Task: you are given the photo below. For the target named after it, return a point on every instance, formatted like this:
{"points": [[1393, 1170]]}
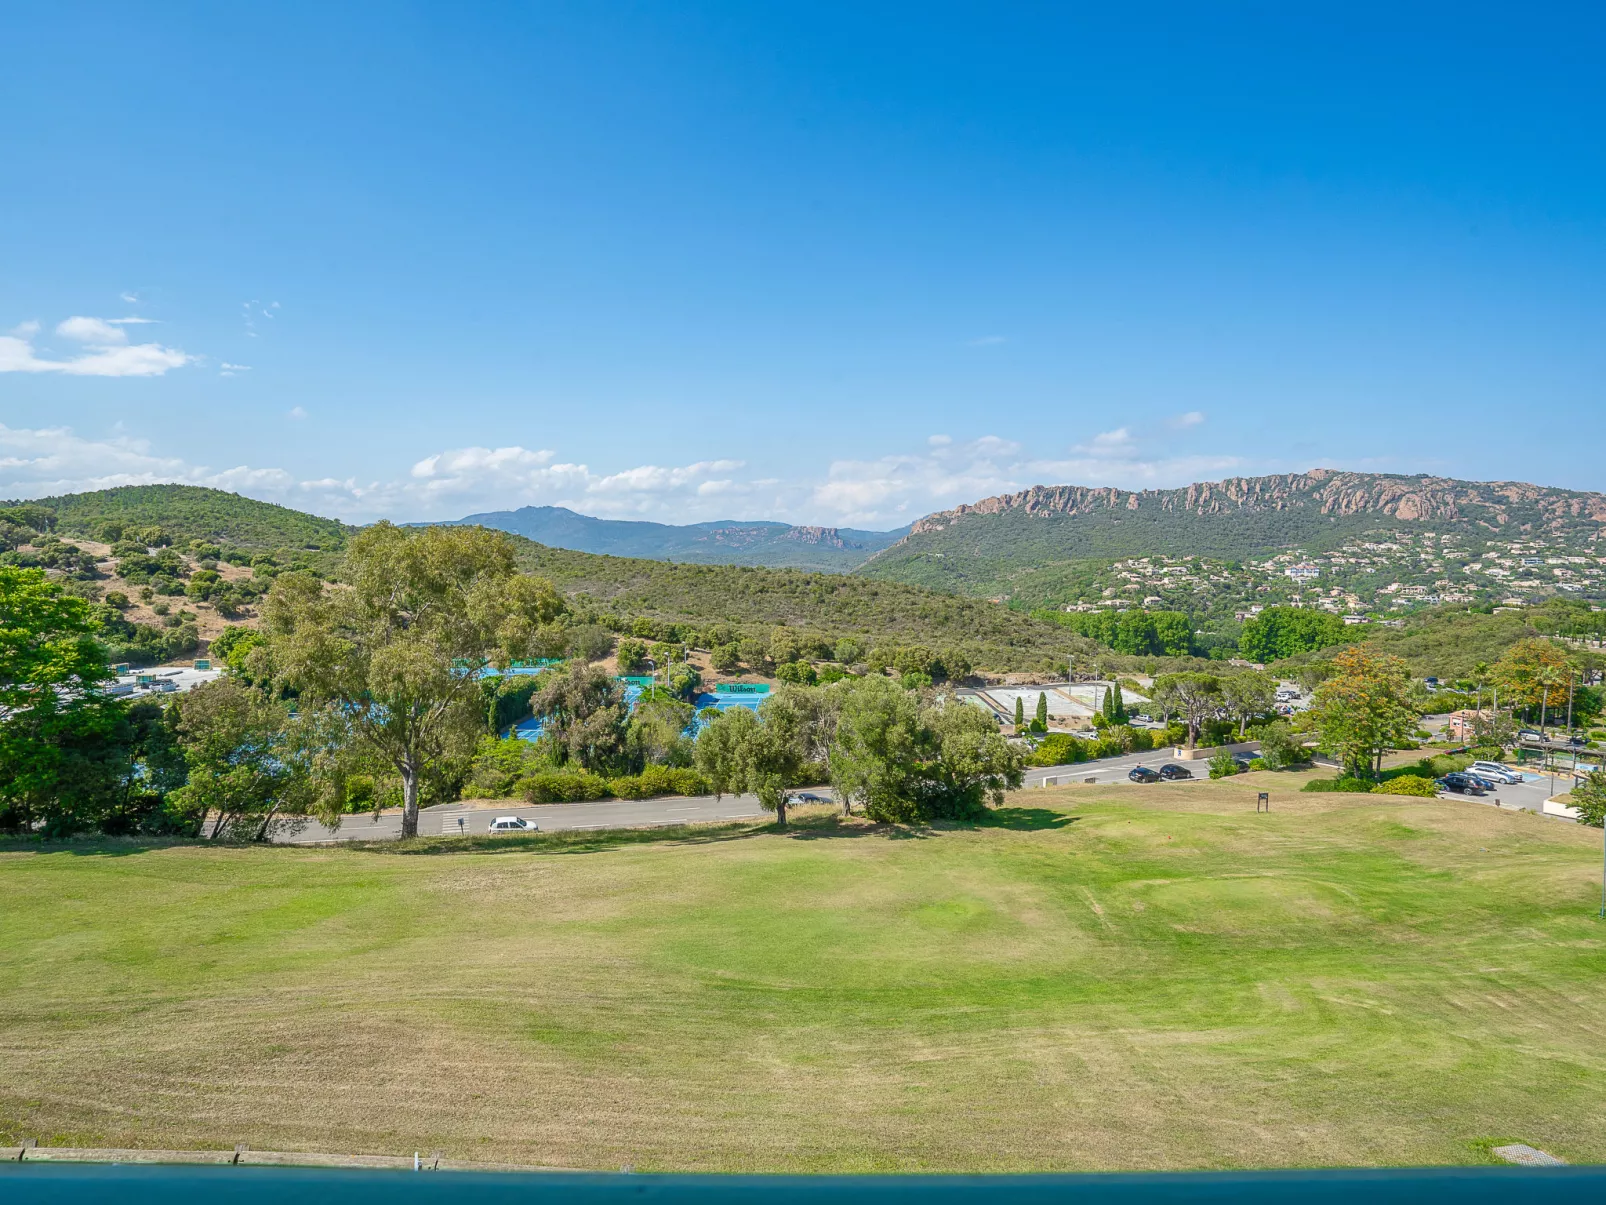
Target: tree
{"points": [[583, 713], [1364, 709], [1196, 697], [1279, 632], [589, 642], [394, 656], [657, 730], [1248, 694], [797, 673], [631, 655], [61, 756], [1020, 713], [1534, 674], [905, 762], [247, 762], [784, 646], [737, 752], [1042, 709], [1279, 748], [726, 658], [1589, 797]]}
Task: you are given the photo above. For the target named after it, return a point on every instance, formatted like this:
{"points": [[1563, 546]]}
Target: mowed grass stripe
{"points": [[1100, 977]]}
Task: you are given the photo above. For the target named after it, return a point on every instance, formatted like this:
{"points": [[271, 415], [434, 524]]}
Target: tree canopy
{"points": [[393, 655]]}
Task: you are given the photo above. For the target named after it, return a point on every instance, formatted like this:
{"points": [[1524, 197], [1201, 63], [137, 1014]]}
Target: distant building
{"points": [[1303, 573]]}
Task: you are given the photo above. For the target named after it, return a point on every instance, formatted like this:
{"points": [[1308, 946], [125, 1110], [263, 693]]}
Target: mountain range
{"points": [[722, 542], [994, 546]]}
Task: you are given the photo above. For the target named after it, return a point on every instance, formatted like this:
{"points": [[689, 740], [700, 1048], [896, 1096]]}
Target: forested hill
{"points": [[980, 548], [993, 636], [192, 512], [754, 599], [728, 542]]}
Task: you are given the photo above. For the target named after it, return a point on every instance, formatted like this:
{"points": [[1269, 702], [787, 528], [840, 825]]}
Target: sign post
{"points": [[1263, 804]]}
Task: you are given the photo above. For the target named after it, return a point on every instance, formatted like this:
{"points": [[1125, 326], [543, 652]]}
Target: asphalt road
{"points": [[549, 817], [1111, 769]]}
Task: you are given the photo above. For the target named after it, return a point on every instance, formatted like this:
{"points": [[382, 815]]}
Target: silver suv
{"points": [[1494, 771]]}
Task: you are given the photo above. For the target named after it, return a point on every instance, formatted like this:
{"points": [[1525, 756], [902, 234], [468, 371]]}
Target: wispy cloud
{"points": [[106, 350], [1182, 422], [884, 491]]}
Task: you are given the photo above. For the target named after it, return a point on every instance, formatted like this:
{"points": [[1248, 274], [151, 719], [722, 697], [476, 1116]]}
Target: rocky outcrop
{"points": [[1327, 491]]}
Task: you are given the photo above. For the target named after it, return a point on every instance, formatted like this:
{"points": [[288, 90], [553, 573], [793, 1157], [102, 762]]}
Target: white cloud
{"points": [[129, 296], [884, 491], [107, 352], [298, 412], [1183, 421], [91, 330]]}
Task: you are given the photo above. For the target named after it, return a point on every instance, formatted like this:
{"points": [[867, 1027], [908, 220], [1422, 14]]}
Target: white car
{"points": [[1495, 771], [512, 824]]}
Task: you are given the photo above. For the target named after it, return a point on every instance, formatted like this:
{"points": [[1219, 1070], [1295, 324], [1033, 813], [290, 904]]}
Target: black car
{"points": [[1173, 771], [1143, 774], [1460, 784], [1243, 764], [1478, 780]]}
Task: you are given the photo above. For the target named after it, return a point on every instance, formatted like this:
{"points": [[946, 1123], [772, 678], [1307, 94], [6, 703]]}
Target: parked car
{"points": [[1242, 763], [1528, 734], [1173, 771], [512, 824], [1144, 718], [811, 797], [1143, 774], [1487, 784], [1459, 784], [1494, 770]]}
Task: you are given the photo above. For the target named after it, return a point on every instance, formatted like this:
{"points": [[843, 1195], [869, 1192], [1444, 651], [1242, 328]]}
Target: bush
{"points": [[1280, 749], [1258, 763], [798, 673], [1408, 784], [1354, 786], [1223, 766], [726, 658], [659, 780], [1059, 749], [632, 656], [564, 786]]}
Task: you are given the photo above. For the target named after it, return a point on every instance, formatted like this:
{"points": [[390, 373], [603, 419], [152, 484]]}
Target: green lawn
{"points": [[1104, 978]]}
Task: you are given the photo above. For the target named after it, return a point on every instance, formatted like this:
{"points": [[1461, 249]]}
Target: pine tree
{"points": [[1042, 709], [1020, 713], [1117, 705]]}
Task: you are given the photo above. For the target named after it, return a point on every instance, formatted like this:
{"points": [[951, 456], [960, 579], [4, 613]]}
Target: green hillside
{"points": [[828, 605], [190, 512], [1027, 545], [839, 605]]}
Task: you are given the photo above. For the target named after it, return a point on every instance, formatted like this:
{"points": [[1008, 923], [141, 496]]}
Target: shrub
{"points": [[632, 656], [659, 780], [726, 658], [1258, 763], [1059, 749], [1408, 784], [564, 786], [1356, 786], [1223, 766], [798, 673], [1280, 749]]}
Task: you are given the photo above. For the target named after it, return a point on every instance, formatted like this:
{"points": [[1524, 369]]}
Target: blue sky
{"points": [[826, 263]]}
